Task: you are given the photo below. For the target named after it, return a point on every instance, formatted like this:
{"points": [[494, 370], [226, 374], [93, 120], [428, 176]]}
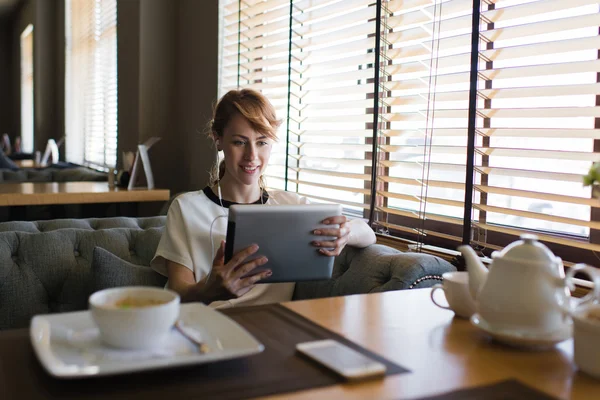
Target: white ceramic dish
{"points": [[68, 345], [523, 340], [134, 327]]}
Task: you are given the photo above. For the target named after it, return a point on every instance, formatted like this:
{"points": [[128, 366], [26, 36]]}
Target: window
{"points": [[537, 112], [27, 90], [319, 76], [386, 103], [91, 82]]}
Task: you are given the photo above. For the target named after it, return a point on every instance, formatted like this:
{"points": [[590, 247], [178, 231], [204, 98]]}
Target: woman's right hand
{"points": [[226, 280]]}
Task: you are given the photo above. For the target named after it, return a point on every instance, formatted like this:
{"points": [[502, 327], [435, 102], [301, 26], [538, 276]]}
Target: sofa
{"points": [[51, 174], [53, 266]]}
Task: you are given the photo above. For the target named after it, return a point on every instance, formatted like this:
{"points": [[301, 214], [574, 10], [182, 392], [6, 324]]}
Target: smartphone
{"points": [[341, 359]]}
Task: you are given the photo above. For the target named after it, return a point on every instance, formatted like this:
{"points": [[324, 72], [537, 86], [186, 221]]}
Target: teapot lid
{"points": [[527, 249]]}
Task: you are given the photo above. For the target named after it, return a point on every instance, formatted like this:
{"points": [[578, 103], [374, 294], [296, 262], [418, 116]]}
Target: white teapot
{"points": [[525, 290]]}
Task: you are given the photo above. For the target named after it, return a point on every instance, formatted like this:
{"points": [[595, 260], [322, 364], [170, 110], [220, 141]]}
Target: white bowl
{"points": [[134, 327]]}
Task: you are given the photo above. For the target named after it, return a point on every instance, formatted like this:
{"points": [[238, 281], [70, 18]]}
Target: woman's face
{"points": [[246, 151]]}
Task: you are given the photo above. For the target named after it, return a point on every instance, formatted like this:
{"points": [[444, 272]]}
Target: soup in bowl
{"points": [[134, 317]]}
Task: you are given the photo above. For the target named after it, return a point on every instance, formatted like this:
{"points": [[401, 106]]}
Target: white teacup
{"points": [[456, 289], [586, 338], [134, 317]]}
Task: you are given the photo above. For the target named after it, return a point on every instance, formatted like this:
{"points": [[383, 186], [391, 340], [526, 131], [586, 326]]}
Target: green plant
{"points": [[593, 175]]}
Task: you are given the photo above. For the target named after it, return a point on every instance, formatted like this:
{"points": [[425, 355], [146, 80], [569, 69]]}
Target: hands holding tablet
{"points": [[342, 233], [227, 281]]}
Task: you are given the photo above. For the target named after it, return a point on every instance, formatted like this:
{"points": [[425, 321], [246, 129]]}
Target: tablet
{"points": [[284, 235]]}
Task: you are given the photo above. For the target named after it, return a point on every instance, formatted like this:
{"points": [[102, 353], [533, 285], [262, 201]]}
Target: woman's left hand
{"points": [[341, 235]]}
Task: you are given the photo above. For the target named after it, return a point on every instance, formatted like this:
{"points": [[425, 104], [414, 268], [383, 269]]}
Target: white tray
{"points": [[68, 344]]}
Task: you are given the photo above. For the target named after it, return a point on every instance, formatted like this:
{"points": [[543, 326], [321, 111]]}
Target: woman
{"points": [[244, 127]]}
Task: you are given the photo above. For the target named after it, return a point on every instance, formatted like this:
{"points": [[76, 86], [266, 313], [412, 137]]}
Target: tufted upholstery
{"points": [[87, 224], [45, 266], [377, 268], [51, 174]]}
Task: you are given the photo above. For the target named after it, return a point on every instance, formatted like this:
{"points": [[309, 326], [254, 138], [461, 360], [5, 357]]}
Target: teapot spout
{"points": [[477, 271]]}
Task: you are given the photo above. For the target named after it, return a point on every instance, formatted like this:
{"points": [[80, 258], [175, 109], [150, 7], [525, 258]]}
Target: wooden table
{"points": [[27, 164], [443, 353], [45, 193]]}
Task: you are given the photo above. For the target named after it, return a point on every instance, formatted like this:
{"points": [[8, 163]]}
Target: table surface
{"points": [[444, 353], [43, 193], [27, 164]]}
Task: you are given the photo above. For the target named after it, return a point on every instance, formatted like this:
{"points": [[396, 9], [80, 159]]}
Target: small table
{"points": [[27, 164], [443, 353], [46, 193]]}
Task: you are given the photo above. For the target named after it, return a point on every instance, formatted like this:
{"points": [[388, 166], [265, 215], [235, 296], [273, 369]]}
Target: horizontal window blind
{"points": [[315, 63], [351, 76], [331, 101], [537, 121], [422, 148], [91, 82], [255, 55]]}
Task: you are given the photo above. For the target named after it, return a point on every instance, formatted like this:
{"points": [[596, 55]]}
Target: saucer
{"points": [[68, 345], [524, 340]]}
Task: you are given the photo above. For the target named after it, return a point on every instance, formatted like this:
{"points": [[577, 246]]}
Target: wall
{"points": [[59, 95], [6, 100], [24, 16], [157, 89], [197, 73], [47, 18], [128, 72], [46, 107], [177, 85]]}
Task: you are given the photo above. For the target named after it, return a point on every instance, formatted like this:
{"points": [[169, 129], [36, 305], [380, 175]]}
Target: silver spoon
{"points": [[192, 337]]}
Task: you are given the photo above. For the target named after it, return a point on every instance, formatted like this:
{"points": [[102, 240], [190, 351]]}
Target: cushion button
{"points": [[76, 253], [132, 252]]}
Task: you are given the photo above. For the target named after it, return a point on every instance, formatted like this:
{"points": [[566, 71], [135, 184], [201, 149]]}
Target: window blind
{"points": [[91, 82], [395, 76], [423, 136], [27, 115], [255, 56], [331, 101], [537, 130], [314, 61]]}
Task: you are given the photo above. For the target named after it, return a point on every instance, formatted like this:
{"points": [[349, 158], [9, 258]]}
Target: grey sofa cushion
{"points": [[49, 272], [51, 174], [109, 271], [377, 268], [6, 162], [78, 174], [87, 224], [14, 176]]}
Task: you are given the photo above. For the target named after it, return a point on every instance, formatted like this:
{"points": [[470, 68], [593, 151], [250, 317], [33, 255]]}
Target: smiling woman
{"points": [[244, 128]]}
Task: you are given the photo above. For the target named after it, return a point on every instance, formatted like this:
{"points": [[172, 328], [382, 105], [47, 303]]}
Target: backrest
{"points": [[51, 174], [45, 266]]}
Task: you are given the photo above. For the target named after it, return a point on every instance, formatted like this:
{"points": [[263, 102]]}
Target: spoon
{"points": [[192, 336]]}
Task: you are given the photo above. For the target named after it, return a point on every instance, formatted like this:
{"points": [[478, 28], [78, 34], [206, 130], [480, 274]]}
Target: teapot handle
{"points": [[591, 272]]}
